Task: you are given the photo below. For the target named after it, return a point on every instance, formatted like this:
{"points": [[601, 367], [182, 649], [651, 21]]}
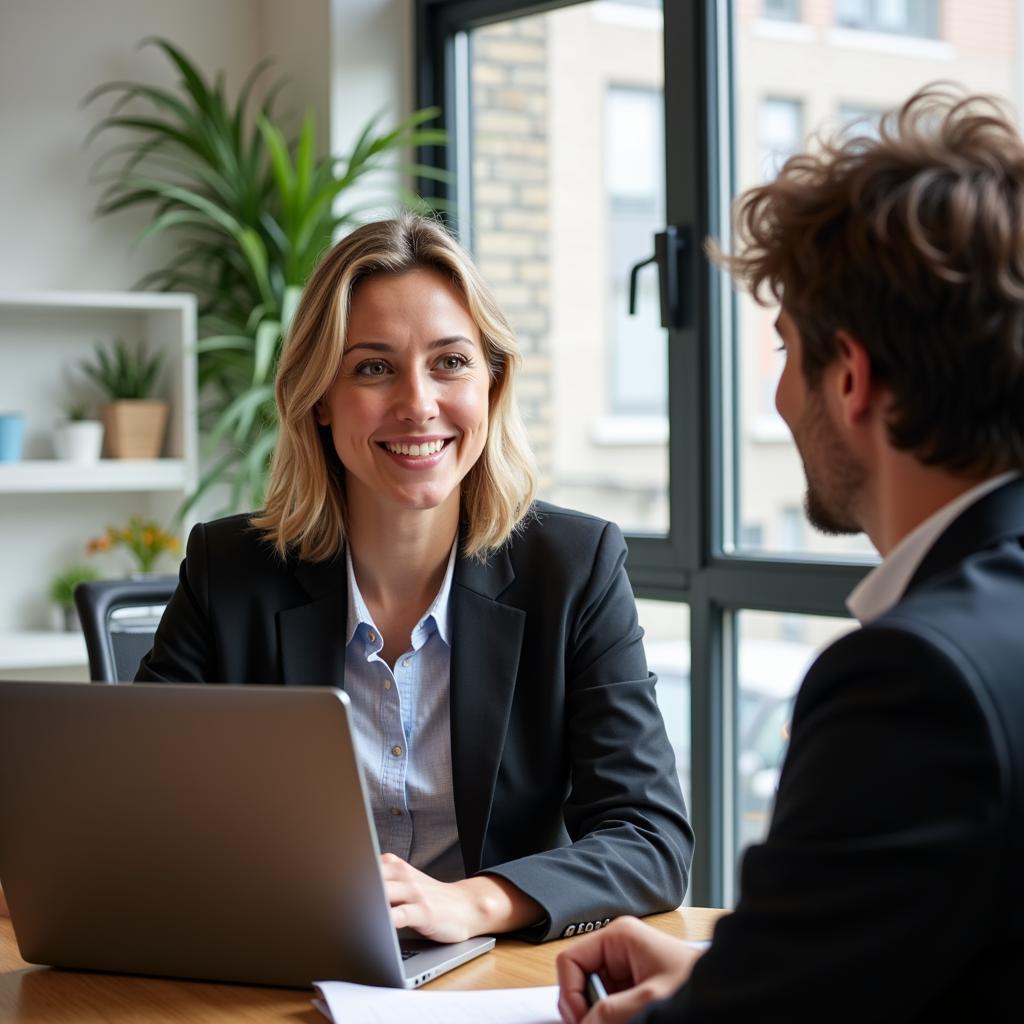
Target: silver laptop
{"points": [[215, 832]]}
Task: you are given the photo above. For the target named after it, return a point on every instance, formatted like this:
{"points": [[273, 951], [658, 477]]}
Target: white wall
{"points": [[372, 57], [52, 52], [297, 34]]}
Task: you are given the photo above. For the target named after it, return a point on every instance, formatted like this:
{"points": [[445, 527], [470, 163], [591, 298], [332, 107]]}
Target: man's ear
{"points": [[855, 384]]}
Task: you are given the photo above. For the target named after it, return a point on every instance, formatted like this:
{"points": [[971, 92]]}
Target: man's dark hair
{"points": [[913, 242]]}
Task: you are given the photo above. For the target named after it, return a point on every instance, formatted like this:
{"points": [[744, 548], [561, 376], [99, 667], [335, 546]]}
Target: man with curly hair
{"points": [[889, 886]]}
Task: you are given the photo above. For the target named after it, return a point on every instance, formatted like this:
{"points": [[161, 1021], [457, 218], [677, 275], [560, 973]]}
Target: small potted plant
{"points": [[78, 438], [145, 539], [133, 421], [62, 593]]}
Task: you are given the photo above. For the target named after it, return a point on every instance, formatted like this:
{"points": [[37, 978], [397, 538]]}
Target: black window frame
{"points": [[695, 563]]}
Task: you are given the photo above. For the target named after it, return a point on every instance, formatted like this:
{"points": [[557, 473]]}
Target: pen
{"points": [[595, 990]]}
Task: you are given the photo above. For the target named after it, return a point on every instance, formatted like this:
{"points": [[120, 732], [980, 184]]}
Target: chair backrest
{"points": [[119, 618]]}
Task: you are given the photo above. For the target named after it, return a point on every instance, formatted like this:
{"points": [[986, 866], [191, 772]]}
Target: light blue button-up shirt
{"points": [[402, 725]]}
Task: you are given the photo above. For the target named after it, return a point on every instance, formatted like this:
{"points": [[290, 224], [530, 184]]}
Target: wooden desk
{"points": [[41, 994]]}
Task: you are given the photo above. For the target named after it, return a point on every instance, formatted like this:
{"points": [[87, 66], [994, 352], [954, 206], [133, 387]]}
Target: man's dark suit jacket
{"points": [[890, 886], [564, 780]]}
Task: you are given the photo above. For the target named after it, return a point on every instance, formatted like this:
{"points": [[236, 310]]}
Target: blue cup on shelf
{"points": [[12, 434]]}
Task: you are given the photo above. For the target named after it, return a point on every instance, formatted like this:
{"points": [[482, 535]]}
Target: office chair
{"points": [[119, 618]]}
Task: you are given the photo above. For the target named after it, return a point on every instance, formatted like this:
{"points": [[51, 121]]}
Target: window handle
{"points": [[669, 248], [634, 273]]}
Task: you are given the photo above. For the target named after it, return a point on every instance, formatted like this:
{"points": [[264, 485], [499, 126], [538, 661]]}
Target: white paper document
{"points": [[346, 1003]]}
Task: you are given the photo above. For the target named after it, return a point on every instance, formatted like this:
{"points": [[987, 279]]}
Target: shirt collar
{"points": [[882, 588], [436, 615]]}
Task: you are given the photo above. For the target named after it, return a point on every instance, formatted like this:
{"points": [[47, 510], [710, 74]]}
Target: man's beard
{"points": [[835, 479]]}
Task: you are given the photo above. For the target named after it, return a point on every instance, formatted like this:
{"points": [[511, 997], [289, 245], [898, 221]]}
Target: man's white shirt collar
{"points": [[883, 587]]}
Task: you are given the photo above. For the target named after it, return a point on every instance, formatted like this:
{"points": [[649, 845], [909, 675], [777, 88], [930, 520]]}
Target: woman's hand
{"points": [[636, 963], [453, 911]]}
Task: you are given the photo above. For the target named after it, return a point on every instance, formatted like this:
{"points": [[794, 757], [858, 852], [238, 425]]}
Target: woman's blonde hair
{"points": [[306, 512]]}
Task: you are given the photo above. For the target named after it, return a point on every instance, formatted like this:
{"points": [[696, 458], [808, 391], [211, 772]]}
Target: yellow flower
{"points": [[144, 538]]}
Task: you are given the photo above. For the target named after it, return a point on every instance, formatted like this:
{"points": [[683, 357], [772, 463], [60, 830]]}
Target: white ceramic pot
{"points": [[79, 441]]}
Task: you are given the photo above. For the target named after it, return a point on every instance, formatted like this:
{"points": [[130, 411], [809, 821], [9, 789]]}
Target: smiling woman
{"points": [[517, 765], [408, 407]]}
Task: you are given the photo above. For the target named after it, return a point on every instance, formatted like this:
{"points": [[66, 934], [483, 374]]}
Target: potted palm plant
{"points": [[133, 420], [253, 207]]}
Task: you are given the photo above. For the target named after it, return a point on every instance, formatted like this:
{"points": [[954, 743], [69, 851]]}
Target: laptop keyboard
{"points": [[407, 953]]}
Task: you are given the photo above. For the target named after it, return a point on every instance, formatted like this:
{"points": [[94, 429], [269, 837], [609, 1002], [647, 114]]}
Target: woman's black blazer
{"points": [[564, 780]]}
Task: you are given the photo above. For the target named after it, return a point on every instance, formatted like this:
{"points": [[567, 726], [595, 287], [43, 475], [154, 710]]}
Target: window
{"points": [[773, 654], [779, 133], [667, 643], [860, 119], [574, 141], [781, 10], [561, 119], [566, 170], [901, 17], [634, 162]]}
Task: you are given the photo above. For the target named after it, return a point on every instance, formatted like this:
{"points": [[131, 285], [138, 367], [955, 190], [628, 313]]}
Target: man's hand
{"points": [[636, 963], [453, 911]]}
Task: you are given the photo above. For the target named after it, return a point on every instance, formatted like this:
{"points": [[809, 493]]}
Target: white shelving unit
{"points": [[45, 476], [48, 508]]}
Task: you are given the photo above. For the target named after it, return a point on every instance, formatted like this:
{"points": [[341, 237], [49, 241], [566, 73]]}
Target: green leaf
{"points": [[174, 218], [282, 165], [256, 253], [159, 128], [243, 96], [304, 160], [268, 338], [237, 418], [428, 172], [191, 77], [187, 197], [292, 295], [220, 342]]}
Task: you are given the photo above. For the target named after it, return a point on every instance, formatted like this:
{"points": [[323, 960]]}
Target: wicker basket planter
{"points": [[134, 428]]}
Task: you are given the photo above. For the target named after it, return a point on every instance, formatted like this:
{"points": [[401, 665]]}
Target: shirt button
{"points": [[406, 662], [387, 684], [397, 751], [372, 637], [396, 812]]}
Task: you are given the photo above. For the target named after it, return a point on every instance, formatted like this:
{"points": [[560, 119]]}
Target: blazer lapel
{"points": [[312, 636], [994, 517], [486, 641]]}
